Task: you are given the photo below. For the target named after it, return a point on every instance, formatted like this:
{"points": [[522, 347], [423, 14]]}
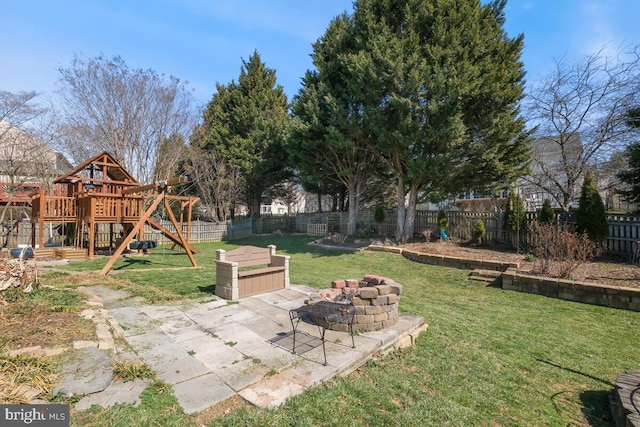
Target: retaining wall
{"points": [[515, 280], [570, 290]]}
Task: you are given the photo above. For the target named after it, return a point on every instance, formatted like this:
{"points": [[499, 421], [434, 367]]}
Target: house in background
{"points": [[547, 165], [551, 157], [26, 166]]}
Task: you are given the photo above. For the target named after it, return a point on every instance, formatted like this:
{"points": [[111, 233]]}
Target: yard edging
{"points": [[511, 279]]}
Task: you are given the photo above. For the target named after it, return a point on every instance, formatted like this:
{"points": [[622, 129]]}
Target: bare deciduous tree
{"points": [[169, 155], [216, 182], [130, 113], [25, 156], [579, 111]]}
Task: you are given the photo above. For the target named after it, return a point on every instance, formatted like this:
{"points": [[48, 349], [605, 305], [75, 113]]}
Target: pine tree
{"points": [[328, 143], [247, 123], [546, 214], [591, 217], [440, 84], [515, 219], [631, 175]]}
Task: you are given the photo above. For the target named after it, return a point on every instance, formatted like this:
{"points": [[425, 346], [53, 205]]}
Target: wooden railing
{"points": [[106, 207], [53, 208]]}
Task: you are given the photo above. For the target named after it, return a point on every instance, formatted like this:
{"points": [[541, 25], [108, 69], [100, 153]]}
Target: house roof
{"points": [[104, 161], [550, 146], [22, 145]]}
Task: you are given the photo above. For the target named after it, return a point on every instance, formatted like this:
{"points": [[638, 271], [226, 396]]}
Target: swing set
{"points": [[100, 191]]}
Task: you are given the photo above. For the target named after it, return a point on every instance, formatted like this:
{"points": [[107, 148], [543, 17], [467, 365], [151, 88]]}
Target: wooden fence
{"points": [[624, 230]]}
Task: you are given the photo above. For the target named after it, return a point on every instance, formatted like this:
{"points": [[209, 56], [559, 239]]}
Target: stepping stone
{"points": [[91, 373]]}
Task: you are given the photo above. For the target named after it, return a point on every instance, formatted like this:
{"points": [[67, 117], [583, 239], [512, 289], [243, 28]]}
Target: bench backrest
{"points": [[247, 256]]}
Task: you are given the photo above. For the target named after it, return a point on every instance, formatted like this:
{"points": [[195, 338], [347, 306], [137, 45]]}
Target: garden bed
{"points": [[604, 270]]}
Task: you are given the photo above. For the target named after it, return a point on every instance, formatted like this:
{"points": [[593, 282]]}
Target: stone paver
{"points": [[89, 372], [201, 392], [126, 393], [210, 350]]}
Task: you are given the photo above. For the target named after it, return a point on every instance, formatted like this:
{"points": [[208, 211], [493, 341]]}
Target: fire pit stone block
{"points": [[375, 299]]}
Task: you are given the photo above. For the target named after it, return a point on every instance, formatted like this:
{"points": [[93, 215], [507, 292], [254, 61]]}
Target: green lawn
{"points": [[489, 358]]}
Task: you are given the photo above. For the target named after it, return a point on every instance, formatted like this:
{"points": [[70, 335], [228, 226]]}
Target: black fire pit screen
{"points": [[323, 314]]}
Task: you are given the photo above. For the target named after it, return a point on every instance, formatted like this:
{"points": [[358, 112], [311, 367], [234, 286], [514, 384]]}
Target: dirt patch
{"points": [[42, 327], [221, 409], [603, 270]]}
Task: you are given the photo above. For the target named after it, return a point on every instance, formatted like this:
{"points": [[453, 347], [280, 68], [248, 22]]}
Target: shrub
{"points": [[591, 217], [546, 214], [378, 214], [479, 231], [559, 251], [443, 221], [443, 224], [515, 219]]}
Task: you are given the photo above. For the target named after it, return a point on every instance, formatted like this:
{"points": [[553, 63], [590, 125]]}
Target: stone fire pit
{"points": [[375, 299]]}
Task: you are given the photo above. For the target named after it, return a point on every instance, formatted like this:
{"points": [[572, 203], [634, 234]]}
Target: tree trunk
{"points": [[254, 205], [410, 216], [401, 211], [352, 222]]}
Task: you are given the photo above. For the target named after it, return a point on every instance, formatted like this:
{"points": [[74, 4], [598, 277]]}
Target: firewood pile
{"points": [[17, 273]]}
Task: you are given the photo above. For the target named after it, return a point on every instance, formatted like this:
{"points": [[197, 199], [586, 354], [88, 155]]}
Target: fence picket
{"points": [[624, 230]]}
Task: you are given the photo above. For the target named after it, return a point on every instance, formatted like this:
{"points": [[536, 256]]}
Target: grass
{"points": [[129, 370], [490, 357], [17, 372]]}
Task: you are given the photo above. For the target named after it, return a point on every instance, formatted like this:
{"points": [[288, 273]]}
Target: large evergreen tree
{"points": [[440, 83], [591, 217], [631, 174], [329, 142], [246, 124]]}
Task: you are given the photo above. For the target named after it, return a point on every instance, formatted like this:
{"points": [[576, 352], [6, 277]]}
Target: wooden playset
{"points": [[101, 191]]}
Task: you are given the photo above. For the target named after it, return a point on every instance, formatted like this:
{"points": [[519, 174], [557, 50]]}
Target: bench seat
{"points": [[259, 271], [234, 278]]}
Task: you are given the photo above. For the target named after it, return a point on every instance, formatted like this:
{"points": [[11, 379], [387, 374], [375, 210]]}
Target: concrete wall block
{"points": [[373, 279], [381, 317], [383, 289], [396, 288], [352, 283], [381, 300], [340, 327], [567, 296], [339, 284], [359, 301], [363, 319], [374, 309], [392, 298], [368, 292]]}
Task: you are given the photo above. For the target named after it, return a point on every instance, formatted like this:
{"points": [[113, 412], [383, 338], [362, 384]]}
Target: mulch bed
{"points": [[604, 270]]}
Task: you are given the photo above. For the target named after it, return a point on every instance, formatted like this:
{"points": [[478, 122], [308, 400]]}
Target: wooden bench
{"points": [[234, 280]]}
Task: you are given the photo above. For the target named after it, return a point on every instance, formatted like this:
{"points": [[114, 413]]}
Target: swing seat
{"points": [[142, 244]]}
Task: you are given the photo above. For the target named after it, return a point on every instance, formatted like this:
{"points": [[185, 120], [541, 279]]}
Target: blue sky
{"points": [[204, 41]]}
